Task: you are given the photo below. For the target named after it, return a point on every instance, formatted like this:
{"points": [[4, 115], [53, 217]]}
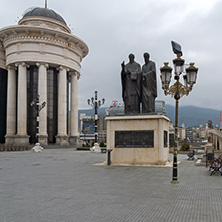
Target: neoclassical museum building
{"points": [[39, 56]]}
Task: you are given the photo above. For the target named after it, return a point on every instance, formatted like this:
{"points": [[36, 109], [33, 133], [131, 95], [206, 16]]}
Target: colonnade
{"points": [[16, 132], [215, 137]]}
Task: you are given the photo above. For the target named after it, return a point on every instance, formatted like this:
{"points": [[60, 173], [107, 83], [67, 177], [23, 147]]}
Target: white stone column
{"points": [[11, 106], [74, 109], [42, 91], [62, 137], [22, 137]]}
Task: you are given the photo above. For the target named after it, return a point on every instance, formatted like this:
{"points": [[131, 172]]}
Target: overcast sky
{"points": [[113, 29]]}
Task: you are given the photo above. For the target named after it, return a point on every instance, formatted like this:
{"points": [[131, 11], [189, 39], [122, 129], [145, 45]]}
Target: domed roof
{"points": [[43, 12]]}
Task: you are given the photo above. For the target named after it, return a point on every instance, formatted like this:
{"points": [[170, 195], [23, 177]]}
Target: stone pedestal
{"points": [[18, 140], [138, 139], [9, 140], [43, 139], [73, 140], [62, 140], [21, 140]]}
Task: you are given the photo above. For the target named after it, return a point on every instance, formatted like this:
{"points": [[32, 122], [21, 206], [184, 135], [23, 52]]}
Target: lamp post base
{"points": [[96, 148], [37, 148], [174, 182]]}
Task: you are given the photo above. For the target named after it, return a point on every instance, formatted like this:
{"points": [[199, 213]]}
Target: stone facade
{"points": [[44, 43]]}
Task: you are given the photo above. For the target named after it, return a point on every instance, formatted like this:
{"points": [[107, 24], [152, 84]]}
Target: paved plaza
{"points": [[61, 185]]}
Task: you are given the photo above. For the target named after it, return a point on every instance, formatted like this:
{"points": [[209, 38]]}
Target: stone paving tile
{"points": [[64, 185]]}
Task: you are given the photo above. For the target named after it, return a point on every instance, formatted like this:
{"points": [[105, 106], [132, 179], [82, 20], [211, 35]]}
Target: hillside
{"points": [[194, 116]]}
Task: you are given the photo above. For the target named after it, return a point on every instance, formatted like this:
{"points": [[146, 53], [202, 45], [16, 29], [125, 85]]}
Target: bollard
{"points": [[108, 157]]}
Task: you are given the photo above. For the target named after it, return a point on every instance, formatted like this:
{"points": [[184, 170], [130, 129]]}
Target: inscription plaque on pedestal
{"points": [[134, 139]]}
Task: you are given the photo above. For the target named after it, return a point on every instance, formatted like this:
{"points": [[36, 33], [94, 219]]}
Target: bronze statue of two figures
{"points": [[139, 85]]}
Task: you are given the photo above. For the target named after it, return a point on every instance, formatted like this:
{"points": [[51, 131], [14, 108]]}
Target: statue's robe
{"points": [[149, 87], [131, 87]]}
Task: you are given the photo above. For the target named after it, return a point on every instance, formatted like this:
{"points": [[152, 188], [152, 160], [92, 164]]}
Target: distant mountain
{"points": [[193, 116], [189, 115]]}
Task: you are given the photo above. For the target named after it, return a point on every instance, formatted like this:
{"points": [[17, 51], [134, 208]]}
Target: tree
{"points": [[185, 146]]}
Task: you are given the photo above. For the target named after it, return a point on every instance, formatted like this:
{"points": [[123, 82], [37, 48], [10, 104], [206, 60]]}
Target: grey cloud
{"points": [[113, 29]]}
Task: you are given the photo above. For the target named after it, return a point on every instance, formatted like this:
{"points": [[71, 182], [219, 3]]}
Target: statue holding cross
{"points": [[131, 85], [139, 85]]}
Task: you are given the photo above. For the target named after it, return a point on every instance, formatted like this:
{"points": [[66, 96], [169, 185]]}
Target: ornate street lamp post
{"points": [[95, 105], [39, 107], [177, 90]]}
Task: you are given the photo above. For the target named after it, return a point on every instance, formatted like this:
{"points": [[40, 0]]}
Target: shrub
{"points": [[102, 144], [185, 146]]}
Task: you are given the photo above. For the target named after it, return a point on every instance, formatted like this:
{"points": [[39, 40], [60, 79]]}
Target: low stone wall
{"points": [[4, 147]]}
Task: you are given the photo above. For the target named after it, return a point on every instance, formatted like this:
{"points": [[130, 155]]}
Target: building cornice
{"points": [[2, 57], [23, 33]]}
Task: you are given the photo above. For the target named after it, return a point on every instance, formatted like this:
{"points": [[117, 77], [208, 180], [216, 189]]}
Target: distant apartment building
{"points": [[197, 134], [181, 133], [118, 108], [160, 107], [87, 128], [189, 134]]}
